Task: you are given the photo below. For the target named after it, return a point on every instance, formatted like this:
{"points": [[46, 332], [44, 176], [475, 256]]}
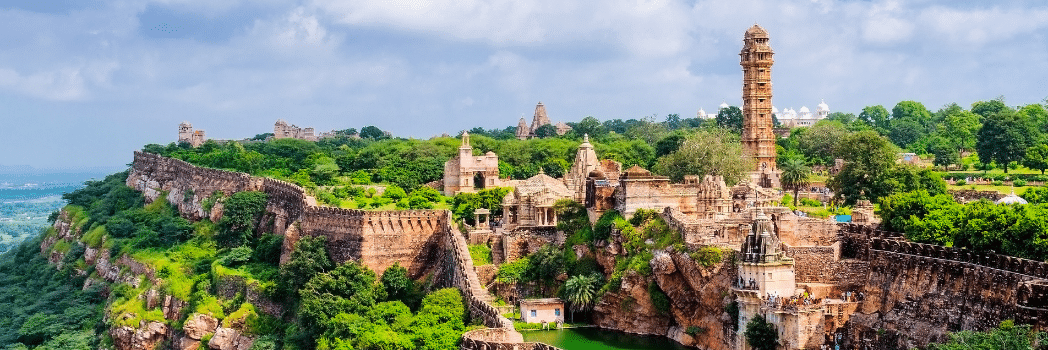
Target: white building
{"points": [[703, 115], [791, 118]]}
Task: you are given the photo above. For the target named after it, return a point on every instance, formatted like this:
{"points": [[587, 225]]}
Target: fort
{"points": [[821, 283], [902, 294]]}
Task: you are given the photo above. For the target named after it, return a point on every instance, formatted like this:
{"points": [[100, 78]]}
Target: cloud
{"points": [[974, 28], [58, 85], [421, 68], [639, 27]]}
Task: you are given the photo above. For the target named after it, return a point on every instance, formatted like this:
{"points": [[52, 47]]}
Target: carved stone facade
{"points": [[638, 188], [530, 204], [466, 173], [757, 134], [585, 162], [186, 134]]}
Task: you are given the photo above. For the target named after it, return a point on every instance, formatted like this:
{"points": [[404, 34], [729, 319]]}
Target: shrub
{"points": [[1019, 183], [808, 202], [602, 228], [659, 298], [480, 253], [707, 256], [694, 330], [961, 182], [998, 182]]}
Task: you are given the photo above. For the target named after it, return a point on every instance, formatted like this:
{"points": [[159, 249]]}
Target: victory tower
{"points": [[757, 135]]}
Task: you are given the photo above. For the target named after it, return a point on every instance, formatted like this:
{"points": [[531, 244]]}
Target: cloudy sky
{"points": [[85, 82]]}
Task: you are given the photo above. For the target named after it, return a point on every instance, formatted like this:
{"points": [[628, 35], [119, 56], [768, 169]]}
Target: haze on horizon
{"points": [[83, 83]]}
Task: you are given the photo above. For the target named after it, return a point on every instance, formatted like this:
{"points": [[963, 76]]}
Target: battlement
{"points": [[893, 242], [376, 238], [917, 293]]}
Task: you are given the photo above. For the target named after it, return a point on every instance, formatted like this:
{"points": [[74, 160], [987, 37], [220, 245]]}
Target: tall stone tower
{"points": [[757, 135]]}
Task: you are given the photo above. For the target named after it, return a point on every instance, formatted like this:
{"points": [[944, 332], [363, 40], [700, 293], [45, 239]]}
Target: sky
{"points": [[84, 83]]}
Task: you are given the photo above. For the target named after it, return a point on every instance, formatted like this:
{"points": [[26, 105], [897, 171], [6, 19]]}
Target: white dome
{"points": [[1011, 199], [723, 105], [805, 110], [702, 113], [823, 107], [774, 110]]}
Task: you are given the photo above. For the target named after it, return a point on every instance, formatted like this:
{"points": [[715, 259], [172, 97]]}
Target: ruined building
{"points": [[466, 173], [530, 203], [281, 130], [540, 118], [186, 134], [757, 135]]}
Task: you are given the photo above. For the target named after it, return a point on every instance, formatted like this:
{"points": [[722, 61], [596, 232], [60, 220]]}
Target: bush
{"points": [[659, 298], [808, 202], [961, 182], [1019, 183], [602, 228], [707, 256], [481, 254], [998, 183]]}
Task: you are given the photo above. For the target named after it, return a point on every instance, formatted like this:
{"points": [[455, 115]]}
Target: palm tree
{"points": [[794, 176], [581, 292]]}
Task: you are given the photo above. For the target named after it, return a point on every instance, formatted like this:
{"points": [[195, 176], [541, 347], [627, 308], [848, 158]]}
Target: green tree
{"points": [[1036, 157], [761, 334], [350, 288], [795, 176], [373, 132], [730, 118], [960, 129], [707, 152], [868, 161], [876, 116], [843, 118], [308, 259], [581, 292], [590, 126], [945, 152], [239, 216], [821, 141], [1007, 336], [545, 131], [1035, 195], [399, 286], [987, 108], [324, 170], [1004, 138]]}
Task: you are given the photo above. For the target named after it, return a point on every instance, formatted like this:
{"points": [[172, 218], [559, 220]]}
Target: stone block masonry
{"points": [[423, 241], [378, 239], [915, 293]]}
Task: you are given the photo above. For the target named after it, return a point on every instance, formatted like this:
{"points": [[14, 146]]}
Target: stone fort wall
{"points": [[918, 293], [422, 241], [375, 238]]}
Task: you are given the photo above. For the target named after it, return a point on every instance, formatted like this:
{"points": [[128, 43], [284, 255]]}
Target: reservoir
{"points": [[595, 338]]}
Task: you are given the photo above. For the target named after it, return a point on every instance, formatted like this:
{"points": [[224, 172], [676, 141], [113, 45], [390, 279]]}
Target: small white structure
{"points": [[549, 310]]}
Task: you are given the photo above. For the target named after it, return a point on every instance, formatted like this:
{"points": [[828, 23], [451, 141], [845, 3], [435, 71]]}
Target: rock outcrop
{"points": [[698, 299], [229, 339], [146, 337]]}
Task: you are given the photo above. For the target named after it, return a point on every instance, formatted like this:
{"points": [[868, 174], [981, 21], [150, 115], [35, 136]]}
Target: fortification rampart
{"points": [[917, 293], [378, 239]]}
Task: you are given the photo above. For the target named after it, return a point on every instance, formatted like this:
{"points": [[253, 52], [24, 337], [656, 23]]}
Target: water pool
{"points": [[596, 338]]}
